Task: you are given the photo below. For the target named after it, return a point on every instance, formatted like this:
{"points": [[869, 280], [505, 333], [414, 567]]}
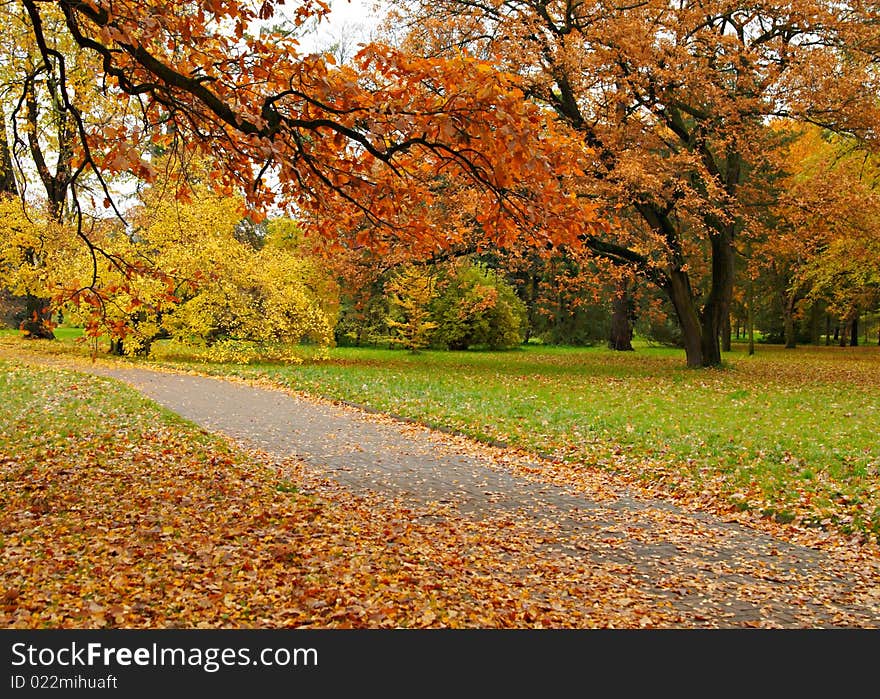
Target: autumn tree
{"points": [[410, 294], [828, 228], [672, 99], [40, 155], [352, 150]]}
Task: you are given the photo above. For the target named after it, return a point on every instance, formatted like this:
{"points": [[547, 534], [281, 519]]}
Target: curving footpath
{"points": [[712, 572], [715, 573]]}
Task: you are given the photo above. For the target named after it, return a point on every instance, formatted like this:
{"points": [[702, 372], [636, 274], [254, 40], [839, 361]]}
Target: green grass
{"points": [[789, 434], [793, 435], [47, 409]]}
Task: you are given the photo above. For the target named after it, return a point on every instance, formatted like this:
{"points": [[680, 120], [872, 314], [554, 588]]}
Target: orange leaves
{"points": [[355, 146]]}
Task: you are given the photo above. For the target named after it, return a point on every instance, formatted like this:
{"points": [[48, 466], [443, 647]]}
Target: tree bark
{"points": [[36, 325], [38, 312], [682, 297], [789, 301], [788, 325], [725, 333], [854, 331], [621, 320], [718, 303], [815, 321], [750, 318], [8, 185]]}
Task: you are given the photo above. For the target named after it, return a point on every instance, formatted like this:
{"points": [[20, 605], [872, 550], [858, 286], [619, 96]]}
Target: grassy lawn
{"points": [[791, 435], [115, 513]]}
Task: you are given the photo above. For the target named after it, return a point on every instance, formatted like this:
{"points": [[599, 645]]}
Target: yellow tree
{"points": [[410, 293], [214, 283], [360, 147], [38, 162], [829, 216]]}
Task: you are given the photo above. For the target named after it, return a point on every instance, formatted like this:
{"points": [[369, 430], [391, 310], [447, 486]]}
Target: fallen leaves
{"points": [[144, 522], [152, 523]]}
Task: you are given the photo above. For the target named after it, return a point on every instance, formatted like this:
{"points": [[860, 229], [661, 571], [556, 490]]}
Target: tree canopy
{"points": [[642, 133], [674, 100]]}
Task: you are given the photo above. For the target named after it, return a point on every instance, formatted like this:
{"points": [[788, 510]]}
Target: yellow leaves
{"points": [[410, 293]]}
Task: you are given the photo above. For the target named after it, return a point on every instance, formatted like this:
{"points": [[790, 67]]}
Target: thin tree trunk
{"points": [[854, 331], [725, 332], [788, 306], [788, 326], [815, 320], [750, 317]]}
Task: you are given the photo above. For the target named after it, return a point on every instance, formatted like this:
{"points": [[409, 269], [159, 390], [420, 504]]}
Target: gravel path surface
{"points": [[715, 573]]}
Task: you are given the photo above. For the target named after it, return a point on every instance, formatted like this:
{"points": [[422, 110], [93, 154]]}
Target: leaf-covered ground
{"points": [[785, 435], [116, 513]]}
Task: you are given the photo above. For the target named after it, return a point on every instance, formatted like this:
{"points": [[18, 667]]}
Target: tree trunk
{"points": [[718, 303], [8, 185], [788, 305], [621, 320], [815, 324], [750, 319], [56, 184], [841, 335], [788, 326], [725, 333], [682, 297], [701, 329], [827, 329], [788, 330], [854, 331], [36, 325]]}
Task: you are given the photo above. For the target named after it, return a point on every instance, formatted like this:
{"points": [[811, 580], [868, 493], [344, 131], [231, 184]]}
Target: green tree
{"points": [[478, 308]]}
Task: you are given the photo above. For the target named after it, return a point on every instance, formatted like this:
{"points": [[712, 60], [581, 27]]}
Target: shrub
{"points": [[478, 308]]}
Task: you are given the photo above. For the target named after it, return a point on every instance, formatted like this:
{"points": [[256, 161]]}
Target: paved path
{"points": [[714, 572]]}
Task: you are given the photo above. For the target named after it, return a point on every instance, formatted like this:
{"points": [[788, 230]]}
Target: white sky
{"points": [[350, 22]]}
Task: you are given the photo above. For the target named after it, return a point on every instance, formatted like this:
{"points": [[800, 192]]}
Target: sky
{"points": [[350, 21]]}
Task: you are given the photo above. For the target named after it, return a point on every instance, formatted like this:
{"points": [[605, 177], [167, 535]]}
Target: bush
{"points": [[478, 308]]}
